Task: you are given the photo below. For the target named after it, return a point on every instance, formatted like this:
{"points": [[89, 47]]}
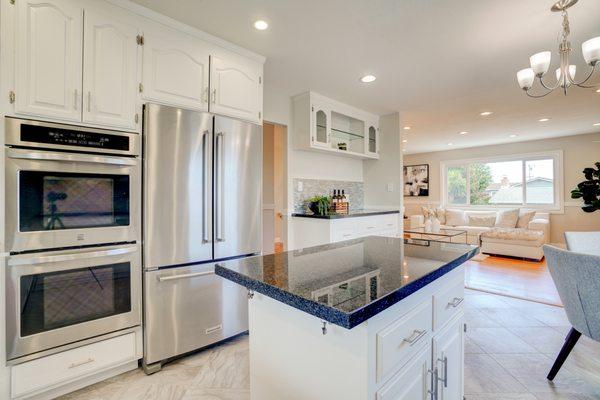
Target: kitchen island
{"points": [[370, 318]]}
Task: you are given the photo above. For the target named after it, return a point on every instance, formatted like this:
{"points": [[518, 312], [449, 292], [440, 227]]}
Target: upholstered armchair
{"points": [[577, 279]]}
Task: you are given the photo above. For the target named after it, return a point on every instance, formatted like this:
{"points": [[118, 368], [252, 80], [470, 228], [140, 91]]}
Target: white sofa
{"points": [[512, 242]]}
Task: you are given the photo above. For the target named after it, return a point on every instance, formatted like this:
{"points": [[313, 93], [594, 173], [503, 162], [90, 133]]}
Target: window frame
{"points": [[555, 155]]}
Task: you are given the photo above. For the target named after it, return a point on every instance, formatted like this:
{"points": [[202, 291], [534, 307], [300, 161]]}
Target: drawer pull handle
{"points": [[370, 227], [414, 338], [80, 363], [347, 235], [457, 301]]}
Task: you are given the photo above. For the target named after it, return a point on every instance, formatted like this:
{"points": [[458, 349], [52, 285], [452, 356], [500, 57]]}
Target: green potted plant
{"points": [[319, 205]]}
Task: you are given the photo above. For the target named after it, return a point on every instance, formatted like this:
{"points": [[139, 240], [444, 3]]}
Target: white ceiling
{"points": [[438, 62]]}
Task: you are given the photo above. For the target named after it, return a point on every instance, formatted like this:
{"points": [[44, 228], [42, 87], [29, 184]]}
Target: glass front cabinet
{"points": [[325, 125]]}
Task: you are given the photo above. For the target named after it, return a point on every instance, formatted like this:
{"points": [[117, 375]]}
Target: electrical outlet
{"points": [[390, 187], [300, 186]]}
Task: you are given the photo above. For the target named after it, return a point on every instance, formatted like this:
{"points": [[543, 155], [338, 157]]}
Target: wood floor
{"points": [[510, 346], [529, 280]]}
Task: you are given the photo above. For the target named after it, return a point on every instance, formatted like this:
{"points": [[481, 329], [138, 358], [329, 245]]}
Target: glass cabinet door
{"points": [[372, 140], [321, 127]]}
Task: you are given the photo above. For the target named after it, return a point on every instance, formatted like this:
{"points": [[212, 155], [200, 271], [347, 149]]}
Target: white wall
{"points": [[579, 152]]}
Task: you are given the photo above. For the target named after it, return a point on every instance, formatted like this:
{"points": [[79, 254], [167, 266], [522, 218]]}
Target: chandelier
{"points": [[565, 74]]}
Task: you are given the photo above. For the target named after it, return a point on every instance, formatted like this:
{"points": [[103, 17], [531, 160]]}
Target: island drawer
{"points": [[399, 341], [72, 364], [448, 302]]}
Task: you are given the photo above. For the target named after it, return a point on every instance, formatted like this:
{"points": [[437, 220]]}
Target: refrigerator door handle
{"points": [[205, 187], [219, 164]]}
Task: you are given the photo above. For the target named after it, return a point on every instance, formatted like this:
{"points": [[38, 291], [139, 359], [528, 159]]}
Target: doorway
{"points": [[274, 211]]}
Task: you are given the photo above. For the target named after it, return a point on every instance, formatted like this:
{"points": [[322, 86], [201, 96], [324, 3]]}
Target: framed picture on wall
{"points": [[416, 180]]}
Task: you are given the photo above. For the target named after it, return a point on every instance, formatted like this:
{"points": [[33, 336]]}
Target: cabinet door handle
{"points": [[80, 363], [214, 96], [89, 102], [205, 95], [414, 338], [457, 301], [75, 99], [444, 378], [433, 393]]}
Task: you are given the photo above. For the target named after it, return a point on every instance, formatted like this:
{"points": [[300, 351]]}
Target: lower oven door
{"points": [[57, 298], [57, 200]]}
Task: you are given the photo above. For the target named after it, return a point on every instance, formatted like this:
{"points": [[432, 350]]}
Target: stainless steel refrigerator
{"points": [[202, 203]]}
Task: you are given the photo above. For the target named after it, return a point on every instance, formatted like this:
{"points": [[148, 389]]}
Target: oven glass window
{"points": [[52, 200], [58, 299]]}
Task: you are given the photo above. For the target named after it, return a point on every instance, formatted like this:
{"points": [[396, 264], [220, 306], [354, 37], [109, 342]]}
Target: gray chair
{"points": [[583, 242], [577, 279]]}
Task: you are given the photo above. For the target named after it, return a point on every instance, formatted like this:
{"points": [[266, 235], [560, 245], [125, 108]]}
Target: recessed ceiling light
{"points": [[261, 25], [598, 91], [597, 124], [368, 78], [544, 119], [514, 135], [486, 113], [406, 128], [463, 133], [404, 140], [403, 149], [450, 144]]}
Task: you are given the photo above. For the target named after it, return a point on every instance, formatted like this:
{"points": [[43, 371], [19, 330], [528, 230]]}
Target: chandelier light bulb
{"points": [[540, 62], [525, 78], [591, 50], [565, 80]]}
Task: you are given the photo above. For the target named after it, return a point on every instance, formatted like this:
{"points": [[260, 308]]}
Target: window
{"points": [[525, 180]]}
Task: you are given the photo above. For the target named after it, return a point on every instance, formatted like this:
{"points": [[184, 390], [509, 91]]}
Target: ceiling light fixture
{"points": [[406, 128], [486, 113], [368, 78], [544, 119], [514, 135], [598, 91], [463, 133], [261, 25], [450, 144], [404, 141], [597, 124], [565, 74]]}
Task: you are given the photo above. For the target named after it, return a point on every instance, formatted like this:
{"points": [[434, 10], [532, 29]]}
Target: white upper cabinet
{"points": [[110, 71], [175, 68], [372, 137], [236, 88], [48, 58]]}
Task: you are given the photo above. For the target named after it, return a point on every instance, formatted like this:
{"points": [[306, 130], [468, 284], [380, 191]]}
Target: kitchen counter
{"points": [[347, 283], [368, 318], [351, 214]]}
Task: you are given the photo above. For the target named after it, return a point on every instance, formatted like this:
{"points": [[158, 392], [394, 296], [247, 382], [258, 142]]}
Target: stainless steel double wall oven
{"points": [[72, 230]]}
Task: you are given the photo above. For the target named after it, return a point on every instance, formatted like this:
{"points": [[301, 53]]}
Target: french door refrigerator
{"points": [[202, 203]]}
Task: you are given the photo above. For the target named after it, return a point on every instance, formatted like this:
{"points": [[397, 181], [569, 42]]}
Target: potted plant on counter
{"points": [[319, 205]]}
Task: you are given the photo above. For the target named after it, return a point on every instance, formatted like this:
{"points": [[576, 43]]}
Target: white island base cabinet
{"points": [[399, 354]]}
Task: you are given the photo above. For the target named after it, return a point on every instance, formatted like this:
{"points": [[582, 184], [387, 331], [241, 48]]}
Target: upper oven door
{"points": [[56, 199], [57, 298]]}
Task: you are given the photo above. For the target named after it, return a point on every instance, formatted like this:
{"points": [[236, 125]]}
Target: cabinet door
{"points": [[236, 89], [320, 126], [449, 358], [110, 71], [175, 69], [48, 59], [372, 138], [412, 382]]}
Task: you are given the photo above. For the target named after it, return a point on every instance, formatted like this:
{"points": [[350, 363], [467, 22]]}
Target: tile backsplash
{"points": [[315, 187]]}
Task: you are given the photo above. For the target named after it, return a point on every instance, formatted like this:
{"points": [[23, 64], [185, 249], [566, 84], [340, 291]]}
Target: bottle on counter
{"points": [[344, 199]]}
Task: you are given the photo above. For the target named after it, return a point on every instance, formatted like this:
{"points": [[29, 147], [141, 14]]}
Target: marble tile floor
{"points": [[510, 346]]}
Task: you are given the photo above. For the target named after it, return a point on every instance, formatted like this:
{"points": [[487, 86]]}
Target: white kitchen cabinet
{"points": [[110, 77], [236, 88], [448, 347], [328, 126], [175, 68], [48, 68], [412, 382]]}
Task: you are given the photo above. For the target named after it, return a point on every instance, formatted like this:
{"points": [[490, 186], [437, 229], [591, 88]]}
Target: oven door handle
{"points": [[69, 157], [16, 261]]}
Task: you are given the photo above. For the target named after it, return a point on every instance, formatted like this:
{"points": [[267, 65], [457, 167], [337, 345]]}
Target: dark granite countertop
{"points": [[351, 214], [346, 283]]}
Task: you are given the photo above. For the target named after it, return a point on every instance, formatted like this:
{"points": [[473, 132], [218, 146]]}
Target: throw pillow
{"points": [[455, 217], [525, 218], [507, 218], [482, 221], [440, 213]]}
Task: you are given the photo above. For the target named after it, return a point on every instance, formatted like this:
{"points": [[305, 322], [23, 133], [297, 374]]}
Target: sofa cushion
{"points": [[455, 217], [471, 230], [525, 216], [440, 213], [527, 243], [482, 221], [514, 235], [507, 218]]}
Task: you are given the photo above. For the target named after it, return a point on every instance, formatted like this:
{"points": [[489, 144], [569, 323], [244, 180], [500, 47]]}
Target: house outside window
{"points": [[527, 180]]}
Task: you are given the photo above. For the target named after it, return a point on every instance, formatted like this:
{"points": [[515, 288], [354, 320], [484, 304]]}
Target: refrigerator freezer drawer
{"points": [[188, 308]]}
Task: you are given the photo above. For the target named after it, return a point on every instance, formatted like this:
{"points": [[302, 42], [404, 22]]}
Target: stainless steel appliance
{"points": [[70, 186], [61, 297], [202, 202]]}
